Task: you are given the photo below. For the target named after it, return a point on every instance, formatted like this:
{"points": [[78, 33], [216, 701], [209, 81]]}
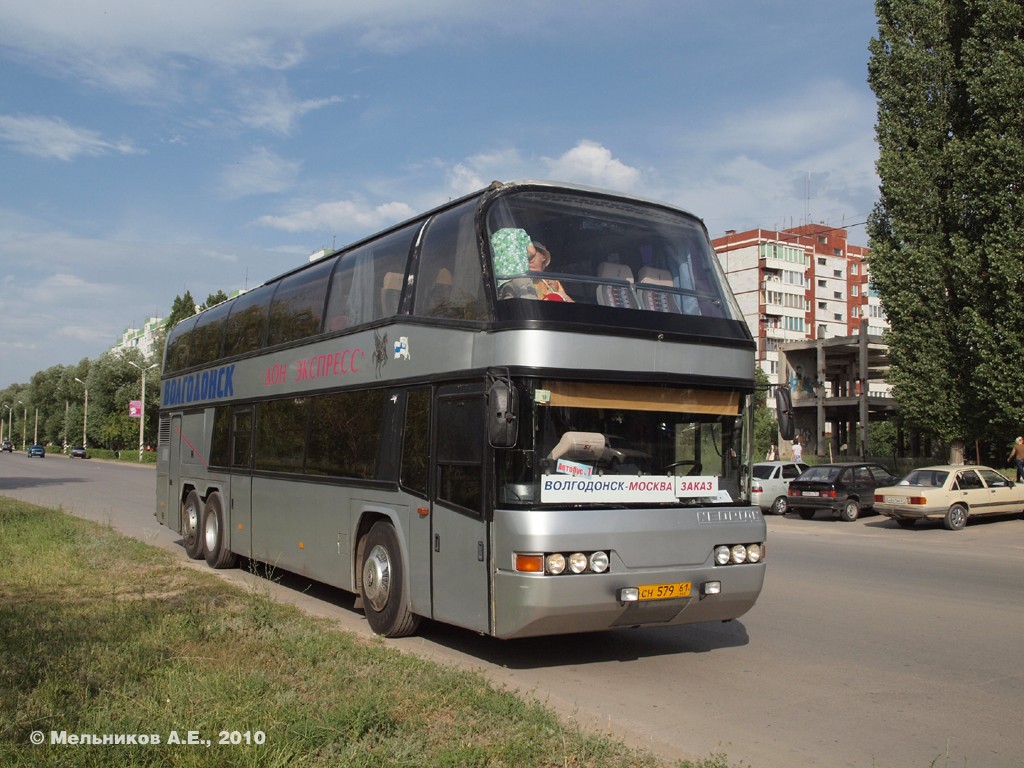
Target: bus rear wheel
{"points": [[191, 525], [383, 584], [215, 544]]}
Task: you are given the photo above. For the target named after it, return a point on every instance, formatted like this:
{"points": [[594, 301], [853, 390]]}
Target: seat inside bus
{"points": [[390, 293], [652, 298], [617, 294]]}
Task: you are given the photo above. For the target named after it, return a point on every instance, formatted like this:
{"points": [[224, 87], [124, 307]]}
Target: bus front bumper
{"points": [[528, 605]]}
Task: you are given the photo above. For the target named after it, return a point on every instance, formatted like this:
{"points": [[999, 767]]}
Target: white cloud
{"points": [[591, 163], [277, 111], [52, 137], [340, 216], [260, 173]]}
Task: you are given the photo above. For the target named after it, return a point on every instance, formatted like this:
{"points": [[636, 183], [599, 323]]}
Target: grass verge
{"points": [[102, 636]]}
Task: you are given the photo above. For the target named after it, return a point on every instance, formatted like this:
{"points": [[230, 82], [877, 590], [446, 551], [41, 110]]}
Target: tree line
{"points": [[52, 408]]}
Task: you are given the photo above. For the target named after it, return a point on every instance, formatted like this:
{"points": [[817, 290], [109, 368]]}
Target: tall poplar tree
{"points": [[947, 234]]}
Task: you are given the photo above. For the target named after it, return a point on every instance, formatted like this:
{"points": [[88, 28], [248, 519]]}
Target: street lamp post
{"points": [[24, 423], [85, 412], [10, 423], [142, 413]]}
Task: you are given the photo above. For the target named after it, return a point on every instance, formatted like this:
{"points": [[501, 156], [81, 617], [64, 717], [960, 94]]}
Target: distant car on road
{"points": [[950, 493], [37, 450], [78, 452], [844, 489], [769, 483], [7, 445]]}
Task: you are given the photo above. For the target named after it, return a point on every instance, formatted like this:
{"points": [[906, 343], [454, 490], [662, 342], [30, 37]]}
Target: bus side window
{"points": [[247, 323], [460, 451], [450, 280], [220, 445], [367, 282], [345, 434], [178, 343], [298, 305], [416, 442]]}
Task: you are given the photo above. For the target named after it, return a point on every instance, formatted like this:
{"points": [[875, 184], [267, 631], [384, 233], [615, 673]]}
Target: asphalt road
{"points": [[871, 646]]}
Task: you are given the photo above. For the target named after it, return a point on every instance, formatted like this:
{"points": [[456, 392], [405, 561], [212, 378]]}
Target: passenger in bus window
{"points": [[551, 290]]}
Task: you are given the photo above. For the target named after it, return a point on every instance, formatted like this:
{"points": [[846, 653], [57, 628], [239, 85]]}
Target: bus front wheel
{"points": [[215, 544], [191, 525], [382, 584]]}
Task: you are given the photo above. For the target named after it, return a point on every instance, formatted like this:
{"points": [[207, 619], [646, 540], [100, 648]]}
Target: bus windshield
{"points": [[646, 445], [574, 248]]}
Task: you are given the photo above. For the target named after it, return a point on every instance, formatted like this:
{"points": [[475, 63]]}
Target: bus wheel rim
{"points": [[377, 578]]}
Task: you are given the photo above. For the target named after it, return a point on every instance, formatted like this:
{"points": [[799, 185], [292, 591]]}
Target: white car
{"points": [[769, 483]]}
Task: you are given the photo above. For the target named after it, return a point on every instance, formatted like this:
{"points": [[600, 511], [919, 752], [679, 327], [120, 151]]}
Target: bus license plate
{"points": [[664, 591]]}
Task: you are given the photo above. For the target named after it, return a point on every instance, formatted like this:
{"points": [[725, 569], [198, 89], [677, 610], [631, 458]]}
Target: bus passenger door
{"points": [[460, 577], [241, 482]]}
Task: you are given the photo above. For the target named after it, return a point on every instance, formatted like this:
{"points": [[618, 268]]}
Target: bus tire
{"points": [[382, 584], [192, 525], [215, 539]]}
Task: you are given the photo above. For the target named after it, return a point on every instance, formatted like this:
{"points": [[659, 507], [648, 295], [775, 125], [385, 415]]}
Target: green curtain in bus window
{"points": [[281, 434], [345, 434]]}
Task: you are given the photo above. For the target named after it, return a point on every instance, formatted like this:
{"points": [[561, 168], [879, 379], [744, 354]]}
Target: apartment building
{"points": [[144, 339], [797, 284], [806, 295]]}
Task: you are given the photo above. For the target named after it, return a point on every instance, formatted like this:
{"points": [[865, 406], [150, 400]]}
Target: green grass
{"points": [[101, 634]]}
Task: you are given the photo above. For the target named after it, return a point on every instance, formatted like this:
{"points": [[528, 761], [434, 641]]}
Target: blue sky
{"points": [[148, 148]]}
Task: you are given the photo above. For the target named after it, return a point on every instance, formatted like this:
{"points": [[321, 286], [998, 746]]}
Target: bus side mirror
{"points": [[502, 419], [784, 411]]}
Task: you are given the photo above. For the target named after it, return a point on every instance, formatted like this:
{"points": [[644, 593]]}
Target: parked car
{"points": [[7, 445], [37, 450], [78, 452], [950, 493], [844, 489], [769, 484]]}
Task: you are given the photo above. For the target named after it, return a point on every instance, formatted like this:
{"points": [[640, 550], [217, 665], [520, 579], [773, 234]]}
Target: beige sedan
{"points": [[950, 493]]}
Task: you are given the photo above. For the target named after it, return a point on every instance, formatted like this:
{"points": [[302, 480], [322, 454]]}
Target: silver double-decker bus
{"points": [[525, 412]]}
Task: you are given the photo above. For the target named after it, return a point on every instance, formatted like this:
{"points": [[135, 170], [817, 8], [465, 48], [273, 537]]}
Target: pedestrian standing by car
{"points": [[1016, 457], [798, 450], [773, 453]]}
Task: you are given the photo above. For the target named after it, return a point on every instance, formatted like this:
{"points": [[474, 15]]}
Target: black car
{"points": [[843, 489]]}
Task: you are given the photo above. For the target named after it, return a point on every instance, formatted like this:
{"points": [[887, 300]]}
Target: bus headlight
{"points": [[721, 554], [738, 554], [599, 562], [577, 562], [555, 564]]}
